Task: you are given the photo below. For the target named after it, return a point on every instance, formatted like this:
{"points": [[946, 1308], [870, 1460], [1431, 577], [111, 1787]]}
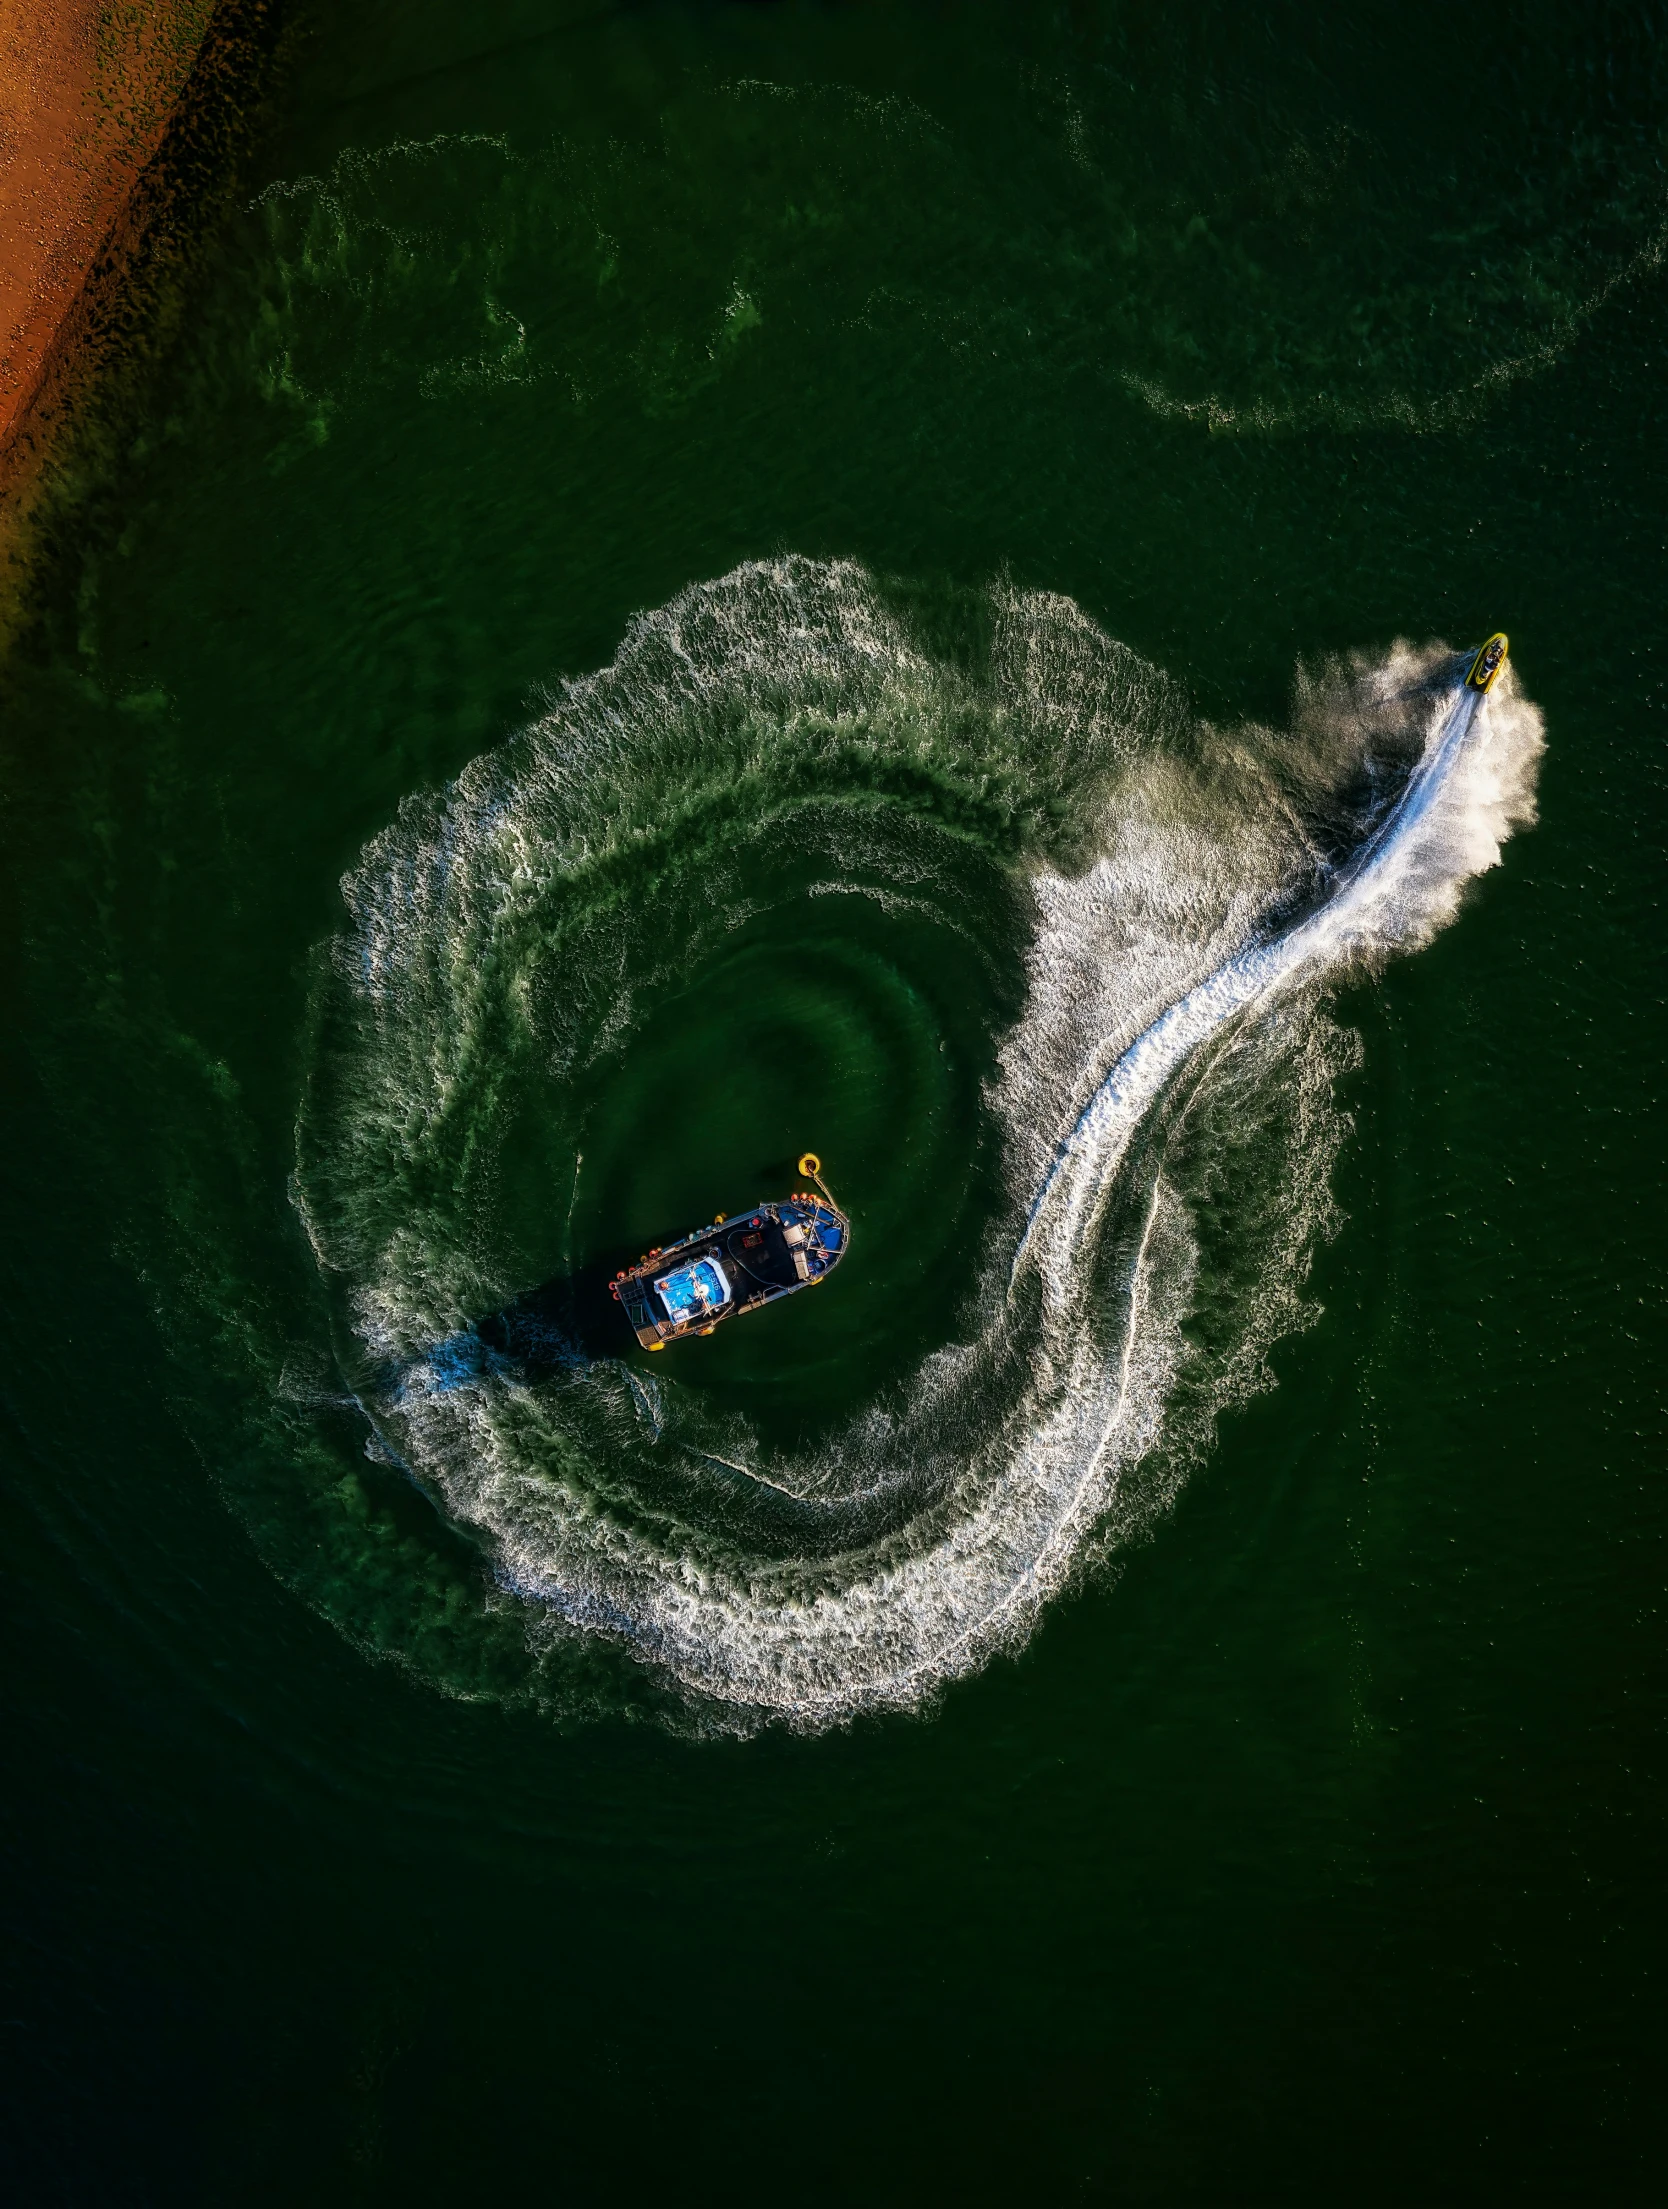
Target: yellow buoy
{"points": [[810, 1164]]}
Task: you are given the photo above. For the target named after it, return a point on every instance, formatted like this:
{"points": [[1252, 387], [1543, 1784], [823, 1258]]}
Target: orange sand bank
{"points": [[86, 89]]}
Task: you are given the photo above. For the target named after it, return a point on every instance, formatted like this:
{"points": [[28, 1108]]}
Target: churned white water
{"points": [[1193, 893]]}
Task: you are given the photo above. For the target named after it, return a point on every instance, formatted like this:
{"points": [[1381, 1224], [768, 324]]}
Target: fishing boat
{"points": [[740, 1262], [1488, 663]]}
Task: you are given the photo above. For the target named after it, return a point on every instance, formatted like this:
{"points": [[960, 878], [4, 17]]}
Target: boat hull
{"points": [[738, 1264]]}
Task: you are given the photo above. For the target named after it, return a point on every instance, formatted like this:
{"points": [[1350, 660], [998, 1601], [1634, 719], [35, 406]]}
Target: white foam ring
{"points": [[1181, 952]]}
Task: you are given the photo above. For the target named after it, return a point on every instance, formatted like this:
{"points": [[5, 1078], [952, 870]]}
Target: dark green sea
{"points": [[682, 582]]}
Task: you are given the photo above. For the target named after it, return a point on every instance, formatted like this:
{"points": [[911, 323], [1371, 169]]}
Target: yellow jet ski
{"points": [[1488, 663]]}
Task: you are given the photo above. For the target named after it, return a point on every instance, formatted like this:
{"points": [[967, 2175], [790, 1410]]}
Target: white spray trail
{"points": [[889, 1636], [1372, 905], [1002, 1459]]}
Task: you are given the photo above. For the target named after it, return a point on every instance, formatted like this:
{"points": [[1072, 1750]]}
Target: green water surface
{"points": [[1311, 1848]]}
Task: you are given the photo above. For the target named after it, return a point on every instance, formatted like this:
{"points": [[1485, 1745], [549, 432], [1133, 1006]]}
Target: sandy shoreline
{"points": [[86, 90]]}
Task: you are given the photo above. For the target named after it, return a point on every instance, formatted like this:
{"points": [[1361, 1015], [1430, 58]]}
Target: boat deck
{"points": [[758, 1260]]}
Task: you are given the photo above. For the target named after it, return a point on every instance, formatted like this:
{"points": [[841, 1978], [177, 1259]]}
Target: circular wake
{"points": [[1038, 962]]}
